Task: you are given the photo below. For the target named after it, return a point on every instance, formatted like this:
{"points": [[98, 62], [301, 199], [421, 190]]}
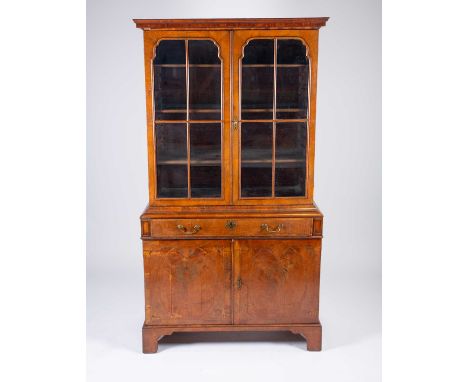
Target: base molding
{"points": [[152, 334]]}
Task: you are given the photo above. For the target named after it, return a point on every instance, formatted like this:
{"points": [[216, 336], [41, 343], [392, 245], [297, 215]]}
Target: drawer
{"points": [[234, 227]]}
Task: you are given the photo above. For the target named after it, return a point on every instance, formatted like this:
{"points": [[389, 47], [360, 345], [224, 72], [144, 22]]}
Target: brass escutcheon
{"points": [[230, 224]]}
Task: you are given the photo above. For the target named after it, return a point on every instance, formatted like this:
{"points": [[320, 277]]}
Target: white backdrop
{"points": [[347, 183]]}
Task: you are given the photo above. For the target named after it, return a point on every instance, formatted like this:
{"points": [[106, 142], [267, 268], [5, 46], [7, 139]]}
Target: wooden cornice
{"points": [[230, 24]]}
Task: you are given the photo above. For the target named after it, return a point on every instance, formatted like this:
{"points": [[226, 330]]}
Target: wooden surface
{"points": [[231, 263], [306, 210], [279, 281], [230, 52], [151, 334], [231, 24], [236, 227], [188, 282]]}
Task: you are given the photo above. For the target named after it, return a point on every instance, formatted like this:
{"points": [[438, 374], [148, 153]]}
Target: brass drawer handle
{"points": [[195, 229], [266, 228]]}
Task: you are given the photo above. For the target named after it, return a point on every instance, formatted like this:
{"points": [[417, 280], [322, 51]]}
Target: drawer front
{"points": [[235, 227]]}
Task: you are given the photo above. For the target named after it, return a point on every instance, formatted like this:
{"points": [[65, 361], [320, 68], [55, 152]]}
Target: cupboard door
{"points": [[276, 281], [188, 118], [274, 77], [188, 282]]}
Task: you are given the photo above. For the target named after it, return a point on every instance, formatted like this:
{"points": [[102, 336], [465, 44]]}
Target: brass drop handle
{"points": [[194, 230], [235, 124], [266, 228]]}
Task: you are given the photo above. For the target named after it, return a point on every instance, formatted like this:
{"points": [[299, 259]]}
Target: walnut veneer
{"points": [[231, 235]]}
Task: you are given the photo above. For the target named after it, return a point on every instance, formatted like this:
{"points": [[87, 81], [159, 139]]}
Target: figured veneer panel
{"points": [[279, 281], [231, 235], [188, 282], [244, 227]]}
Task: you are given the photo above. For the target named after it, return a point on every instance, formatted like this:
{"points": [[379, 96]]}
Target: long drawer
{"points": [[241, 227]]}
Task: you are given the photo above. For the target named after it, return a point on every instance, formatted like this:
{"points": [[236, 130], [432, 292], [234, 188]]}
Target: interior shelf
{"points": [[277, 65], [190, 65], [265, 192], [218, 65], [197, 159], [254, 161], [202, 162], [247, 110], [190, 111], [264, 155]]}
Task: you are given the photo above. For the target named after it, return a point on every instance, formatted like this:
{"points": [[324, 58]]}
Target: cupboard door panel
{"points": [[188, 282], [276, 281]]}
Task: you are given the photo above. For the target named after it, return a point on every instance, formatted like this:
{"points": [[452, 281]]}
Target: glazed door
{"points": [[188, 282], [188, 121], [274, 78], [276, 281]]}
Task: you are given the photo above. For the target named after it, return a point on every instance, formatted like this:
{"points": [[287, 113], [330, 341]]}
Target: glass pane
{"points": [[204, 80], [205, 181], [170, 93], [290, 159], [256, 159], [170, 52], [292, 79], [171, 160], [205, 160], [203, 52], [291, 52], [257, 80]]}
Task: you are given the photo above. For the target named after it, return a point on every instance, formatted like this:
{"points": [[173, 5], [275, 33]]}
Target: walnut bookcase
{"points": [[231, 235]]}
